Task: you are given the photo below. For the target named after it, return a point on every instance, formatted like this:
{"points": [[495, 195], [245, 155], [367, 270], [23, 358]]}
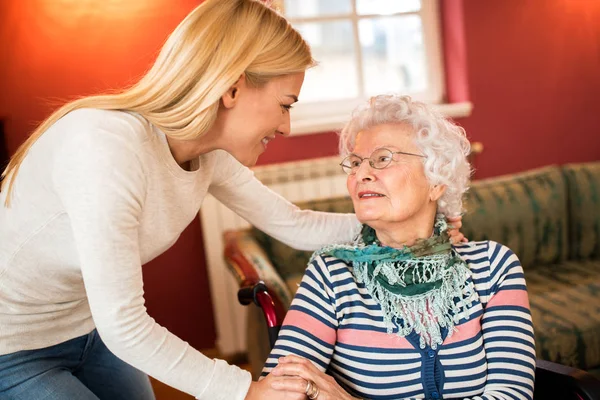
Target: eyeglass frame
{"points": [[371, 162]]}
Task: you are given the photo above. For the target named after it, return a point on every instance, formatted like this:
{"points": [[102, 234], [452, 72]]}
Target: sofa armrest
{"points": [[556, 381], [250, 266]]}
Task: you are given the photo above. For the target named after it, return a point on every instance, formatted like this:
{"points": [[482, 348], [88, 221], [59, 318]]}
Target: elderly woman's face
{"points": [[396, 193]]}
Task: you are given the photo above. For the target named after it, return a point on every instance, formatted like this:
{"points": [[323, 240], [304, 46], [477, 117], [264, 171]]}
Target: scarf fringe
{"points": [[427, 313]]}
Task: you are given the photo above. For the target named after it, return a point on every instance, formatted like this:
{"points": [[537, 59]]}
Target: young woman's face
{"points": [[250, 117]]}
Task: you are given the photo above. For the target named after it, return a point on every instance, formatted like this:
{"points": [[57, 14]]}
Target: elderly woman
{"points": [[401, 312]]}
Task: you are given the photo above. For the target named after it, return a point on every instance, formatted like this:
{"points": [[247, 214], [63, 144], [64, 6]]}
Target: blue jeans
{"points": [[78, 369]]}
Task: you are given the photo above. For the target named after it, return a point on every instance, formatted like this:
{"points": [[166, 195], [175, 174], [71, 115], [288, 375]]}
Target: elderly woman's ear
{"points": [[436, 191]]}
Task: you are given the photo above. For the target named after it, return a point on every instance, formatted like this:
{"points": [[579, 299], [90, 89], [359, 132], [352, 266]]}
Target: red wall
{"points": [[534, 77], [54, 50]]}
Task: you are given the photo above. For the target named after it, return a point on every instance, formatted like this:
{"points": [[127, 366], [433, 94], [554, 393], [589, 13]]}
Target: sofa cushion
{"points": [[291, 263], [525, 211], [583, 188], [565, 307]]}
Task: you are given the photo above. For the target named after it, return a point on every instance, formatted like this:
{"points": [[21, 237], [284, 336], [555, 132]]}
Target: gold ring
{"points": [[314, 391], [309, 387]]}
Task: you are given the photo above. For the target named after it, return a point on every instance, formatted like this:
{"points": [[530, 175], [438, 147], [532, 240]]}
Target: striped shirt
{"points": [[335, 323]]}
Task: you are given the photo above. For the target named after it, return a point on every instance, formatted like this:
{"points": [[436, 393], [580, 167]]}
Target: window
{"points": [[364, 47]]}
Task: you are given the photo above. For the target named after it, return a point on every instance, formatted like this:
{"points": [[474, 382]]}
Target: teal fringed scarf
{"points": [[424, 287]]}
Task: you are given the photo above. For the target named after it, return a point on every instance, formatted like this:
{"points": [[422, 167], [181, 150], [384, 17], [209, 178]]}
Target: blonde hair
{"points": [[203, 57], [443, 142]]}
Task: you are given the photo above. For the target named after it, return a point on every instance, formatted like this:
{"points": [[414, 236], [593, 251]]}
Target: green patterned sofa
{"points": [[550, 217]]}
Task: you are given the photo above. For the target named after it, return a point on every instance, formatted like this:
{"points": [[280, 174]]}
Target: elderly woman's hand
{"points": [[291, 367], [265, 389], [455, 235]]}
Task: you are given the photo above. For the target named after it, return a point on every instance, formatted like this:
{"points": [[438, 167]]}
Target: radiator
{"points": [[296, 181]]}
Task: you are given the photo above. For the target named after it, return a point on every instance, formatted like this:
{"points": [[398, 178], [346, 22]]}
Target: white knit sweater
{"points": [[97, 196]]}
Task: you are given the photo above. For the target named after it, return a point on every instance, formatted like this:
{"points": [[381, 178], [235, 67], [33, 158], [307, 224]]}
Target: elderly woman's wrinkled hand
{"points": [[266, 389], [456, 235], [299, 374]]}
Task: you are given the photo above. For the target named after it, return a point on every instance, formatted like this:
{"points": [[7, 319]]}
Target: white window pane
{"points": [[393, 54], [316, 8], [383, 7], [336, 76]]}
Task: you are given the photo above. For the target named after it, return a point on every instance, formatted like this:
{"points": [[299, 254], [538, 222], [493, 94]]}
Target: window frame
{"points": [[331, 115]]}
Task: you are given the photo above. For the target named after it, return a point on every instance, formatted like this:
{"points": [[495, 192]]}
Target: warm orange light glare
{"points": [[69, 10]]}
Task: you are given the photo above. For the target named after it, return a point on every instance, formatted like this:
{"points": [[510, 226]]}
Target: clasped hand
{"points": [[289, 380]]}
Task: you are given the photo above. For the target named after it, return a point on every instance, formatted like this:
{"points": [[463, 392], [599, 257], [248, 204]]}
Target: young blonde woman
{"points": [[109, 182]]}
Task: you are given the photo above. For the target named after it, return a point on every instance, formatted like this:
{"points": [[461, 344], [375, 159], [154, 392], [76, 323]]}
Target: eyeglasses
{"points": [[379, 159]]}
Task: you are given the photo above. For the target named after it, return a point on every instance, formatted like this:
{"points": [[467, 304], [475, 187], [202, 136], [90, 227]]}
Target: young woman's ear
{"points": [[436, 192], [231, 96]]}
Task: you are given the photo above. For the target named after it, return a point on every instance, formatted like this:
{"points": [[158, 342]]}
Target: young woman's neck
{"points": [[184, 151]]}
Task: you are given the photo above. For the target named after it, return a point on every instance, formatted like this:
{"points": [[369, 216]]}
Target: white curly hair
{"points": [[443, 143]]}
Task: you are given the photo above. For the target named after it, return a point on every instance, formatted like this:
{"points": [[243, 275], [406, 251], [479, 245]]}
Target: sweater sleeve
{"points": [[507, 329], [309, 329], [102, 185], [237, 187]]}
